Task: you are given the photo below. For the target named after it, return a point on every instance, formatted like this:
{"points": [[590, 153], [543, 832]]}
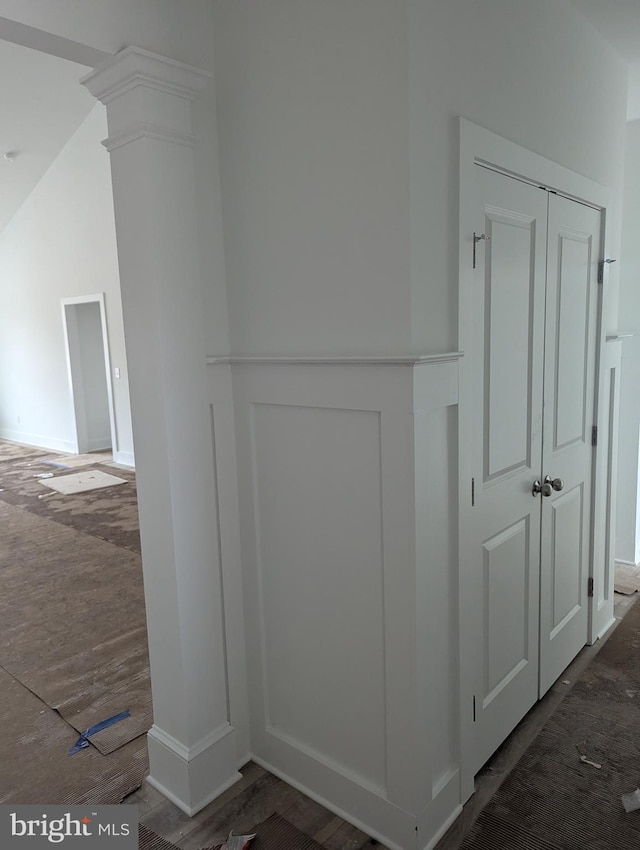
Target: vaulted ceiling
{"points": [[619, 22], [42, 102], [41, 105]]}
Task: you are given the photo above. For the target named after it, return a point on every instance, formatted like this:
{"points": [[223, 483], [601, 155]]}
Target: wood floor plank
{"points": [[174, 825], [266, 796], [308, 816], [346, 837]]}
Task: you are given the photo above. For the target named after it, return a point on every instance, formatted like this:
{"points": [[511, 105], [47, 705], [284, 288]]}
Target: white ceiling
{"points": [[41, 105], [42, 102], [619, 22]]}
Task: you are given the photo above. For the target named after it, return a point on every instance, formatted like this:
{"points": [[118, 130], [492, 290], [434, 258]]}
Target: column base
{"points": [[191, 777]]}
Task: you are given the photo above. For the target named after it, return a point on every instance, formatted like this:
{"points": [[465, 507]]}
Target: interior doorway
{"points": [[89, 369]]}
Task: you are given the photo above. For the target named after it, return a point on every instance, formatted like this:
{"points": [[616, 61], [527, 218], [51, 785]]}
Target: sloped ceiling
{"points": [[42, 102], [41, 106], [619, 22]]}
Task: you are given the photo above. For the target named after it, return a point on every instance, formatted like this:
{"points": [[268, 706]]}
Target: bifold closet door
{"points": [[533, 353], [567, 458], [508, 365]]}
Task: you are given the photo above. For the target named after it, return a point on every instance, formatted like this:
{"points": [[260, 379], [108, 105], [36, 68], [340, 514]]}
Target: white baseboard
{"points": [[605, 629], [455, 814], [39, 441], [124, 458], [191, 777], [99, 444]]}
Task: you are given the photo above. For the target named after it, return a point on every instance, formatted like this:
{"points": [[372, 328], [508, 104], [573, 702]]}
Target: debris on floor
{"points": [[631, 801], [44, 475], [53, 463], [583, 757], [237, 842], [80, 482]]}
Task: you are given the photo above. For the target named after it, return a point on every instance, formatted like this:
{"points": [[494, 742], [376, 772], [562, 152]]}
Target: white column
{"points": [[148, 98]]}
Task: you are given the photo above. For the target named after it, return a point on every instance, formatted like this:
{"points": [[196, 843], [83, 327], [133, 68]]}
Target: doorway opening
{"points": [[89, 369]]}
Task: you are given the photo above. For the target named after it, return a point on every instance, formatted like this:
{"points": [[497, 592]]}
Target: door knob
{"points": [[556, 483], [538, 488]]}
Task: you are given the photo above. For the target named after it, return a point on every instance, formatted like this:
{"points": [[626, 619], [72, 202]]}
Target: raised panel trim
{"points": [[567, 496], [265, 696], [495, 215], [567, 235], [491, 691], [317, 755]]}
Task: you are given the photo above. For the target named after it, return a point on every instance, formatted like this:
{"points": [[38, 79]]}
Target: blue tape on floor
{"points": [[82, 743], [53, 463]]}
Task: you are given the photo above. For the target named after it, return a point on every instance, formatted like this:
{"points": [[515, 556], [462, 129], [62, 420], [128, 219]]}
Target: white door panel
{"points": [[571, 317], [533, 345], [508, 376]]}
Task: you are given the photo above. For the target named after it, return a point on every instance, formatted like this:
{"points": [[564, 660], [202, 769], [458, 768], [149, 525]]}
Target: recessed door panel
{"points": [[508, 330], [506, 603], [566, 558], [571, 311], [508, 342], [572, 337]]}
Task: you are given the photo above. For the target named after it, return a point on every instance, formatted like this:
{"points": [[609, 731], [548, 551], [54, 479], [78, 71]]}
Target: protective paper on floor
{"points": [[554, 800], [35, 765], [110, 513], [77, 461], [73, 624], [81, 482], [627, 579]]}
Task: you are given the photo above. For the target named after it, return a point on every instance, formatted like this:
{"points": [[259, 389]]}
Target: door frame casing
{"points": [[99, 299], [479, 146]]}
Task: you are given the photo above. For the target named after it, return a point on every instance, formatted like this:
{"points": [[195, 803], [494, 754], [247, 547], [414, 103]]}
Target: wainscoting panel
{"points": [[347, 485], [318, 506]]}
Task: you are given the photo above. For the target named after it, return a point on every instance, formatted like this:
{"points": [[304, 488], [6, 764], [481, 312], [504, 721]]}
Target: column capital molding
{"points": [[135, 67], [142, 130]]}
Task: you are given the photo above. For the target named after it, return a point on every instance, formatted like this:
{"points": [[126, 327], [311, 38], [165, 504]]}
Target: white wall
{"points": [[334, 174], [61, 243], [535, 73], [628, 519], [313, 118], [88, 31]]}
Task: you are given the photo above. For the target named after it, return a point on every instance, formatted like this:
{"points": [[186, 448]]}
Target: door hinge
{"points": [[474, 708], [476, 239], [473, 492], [590, 587], [594, 435], [601, 265]]}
